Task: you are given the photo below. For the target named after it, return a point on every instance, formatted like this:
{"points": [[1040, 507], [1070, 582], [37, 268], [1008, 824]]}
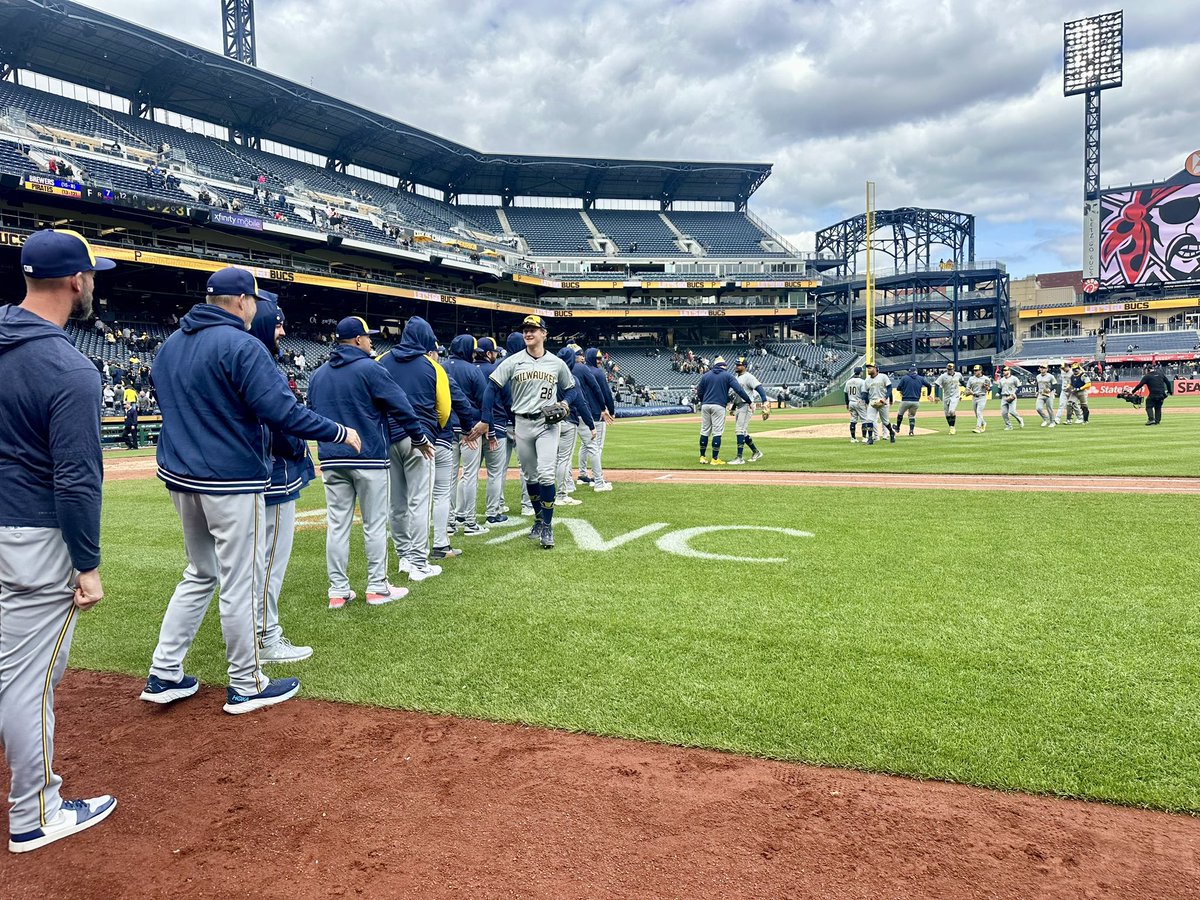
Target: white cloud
{"points": [[950, 104]]}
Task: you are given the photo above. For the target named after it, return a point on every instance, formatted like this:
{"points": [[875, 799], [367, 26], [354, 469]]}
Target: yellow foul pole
{"points": [[869, 348]]}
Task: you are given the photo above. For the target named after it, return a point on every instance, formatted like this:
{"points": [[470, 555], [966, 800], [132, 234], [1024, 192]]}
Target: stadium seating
{"points": [[1056, 348], [642, 229], [550, 231], [1182, 341], [722, 233]]}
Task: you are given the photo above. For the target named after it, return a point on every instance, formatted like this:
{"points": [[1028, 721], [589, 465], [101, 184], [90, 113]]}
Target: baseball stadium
{"points": [[786, 627]]}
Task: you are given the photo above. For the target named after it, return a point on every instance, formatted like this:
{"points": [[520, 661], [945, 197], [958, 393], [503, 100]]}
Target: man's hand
{"points": [[353, 440], [477, 432], [88, 590], [493, 444], [425, 449], [607, 417]]}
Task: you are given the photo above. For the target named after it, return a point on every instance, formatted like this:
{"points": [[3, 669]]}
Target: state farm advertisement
{"points": [[1184, 386]]}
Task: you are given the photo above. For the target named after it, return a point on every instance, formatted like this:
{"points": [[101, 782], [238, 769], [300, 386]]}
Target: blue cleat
{"points": [[164, 692]]}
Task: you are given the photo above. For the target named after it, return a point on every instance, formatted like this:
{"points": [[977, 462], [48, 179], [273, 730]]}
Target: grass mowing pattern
{"points": [[930, 634], [1109, 445]]}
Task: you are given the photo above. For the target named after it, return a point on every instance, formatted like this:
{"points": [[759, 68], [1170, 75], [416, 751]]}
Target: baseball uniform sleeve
{"points": [[503, 371]]}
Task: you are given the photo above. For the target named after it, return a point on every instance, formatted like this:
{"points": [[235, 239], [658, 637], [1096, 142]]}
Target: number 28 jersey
{"points": [[534, 382]]}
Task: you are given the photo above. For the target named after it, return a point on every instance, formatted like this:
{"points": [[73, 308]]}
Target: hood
{"points": [[344, 354], [515, 343], [206, 315], [417, 340], [592, 357], [463, 347], [19, 326], [263, 326], [567, 355]]}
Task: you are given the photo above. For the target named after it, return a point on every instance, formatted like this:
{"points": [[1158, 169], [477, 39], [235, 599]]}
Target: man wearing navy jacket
{"points": [[579, 422], [220, 395], [50, 473], [600, 396], [472, 381], [495, 446], [351, 388]]}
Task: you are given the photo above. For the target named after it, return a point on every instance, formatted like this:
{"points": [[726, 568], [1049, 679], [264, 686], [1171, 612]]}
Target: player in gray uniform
{"points": [[49, 531], [1009, 385], [1064, 394], [743, 411], [979, 386], [950, 384], [1044, 406], [855, 405], [536, 377], [877, 389]]}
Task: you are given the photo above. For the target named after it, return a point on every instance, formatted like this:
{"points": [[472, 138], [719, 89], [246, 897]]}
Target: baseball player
{"points": [[579, 422], [291, 471], [49, 525], [600, 398], [856, 405], [515, 343], [742, 412], [713, 390], [217, 389], [979, 386], [950, 383], [910, 388], [877, 390], [466, 373], [463, 426], [494, 446], [1046, 385], [1064, 395], [536, 376], [1009, 385], [351, 388], [1077, 405]]}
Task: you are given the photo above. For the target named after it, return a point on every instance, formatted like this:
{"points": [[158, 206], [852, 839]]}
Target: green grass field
{"points": [[1044, 642]]}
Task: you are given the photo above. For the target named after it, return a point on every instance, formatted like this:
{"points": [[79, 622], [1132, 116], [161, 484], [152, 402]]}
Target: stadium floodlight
{"points": [[1093, 53]]}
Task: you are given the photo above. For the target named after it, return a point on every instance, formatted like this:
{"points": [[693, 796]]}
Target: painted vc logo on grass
{"points": [[677, 542]]}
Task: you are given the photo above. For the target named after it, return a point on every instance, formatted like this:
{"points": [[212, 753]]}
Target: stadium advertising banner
{"points": [[1099, 308], [1150, 235], [233, 220], [45, 184], [1185, 386]]}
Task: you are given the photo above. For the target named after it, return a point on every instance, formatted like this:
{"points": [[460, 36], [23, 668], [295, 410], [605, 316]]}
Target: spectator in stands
{"points": [[204, 197], [299, 360], [149, 175], [52, 165], [236, 205], [115, 149], [108, 396]]}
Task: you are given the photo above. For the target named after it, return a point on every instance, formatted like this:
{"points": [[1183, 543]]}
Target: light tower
{"points": [[237, 24], [1092, 62]]}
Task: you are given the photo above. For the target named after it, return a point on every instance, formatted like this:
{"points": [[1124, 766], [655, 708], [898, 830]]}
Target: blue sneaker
{"points": [[497, 520], [160, 691], [74, 817], [277, 691]]}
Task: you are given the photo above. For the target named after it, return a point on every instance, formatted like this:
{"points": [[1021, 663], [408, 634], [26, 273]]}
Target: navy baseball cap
{"points": [[59, 253], [740, 361], [485, 345], [352, 327], [534, 322], [231, 282]]}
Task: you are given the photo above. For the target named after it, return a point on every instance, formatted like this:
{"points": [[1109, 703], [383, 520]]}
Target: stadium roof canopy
{"points": [[81, 45]]}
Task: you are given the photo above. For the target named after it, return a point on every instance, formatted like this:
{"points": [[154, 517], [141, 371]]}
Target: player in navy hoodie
{"points": [[472, 381], [603, 405]]}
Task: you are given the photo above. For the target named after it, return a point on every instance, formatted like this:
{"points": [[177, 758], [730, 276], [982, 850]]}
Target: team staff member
{"points": [[910, 387], [950, 383], [579, 422], [536, 376], [1009, 384], [600, 398], [219, 392], [351, 388], [1158, 388], [495, 447], [291, 471], [131, 425], [713, 391], [742, 412], [979, 386], [463, 426], [464, 493], [50, 473]]}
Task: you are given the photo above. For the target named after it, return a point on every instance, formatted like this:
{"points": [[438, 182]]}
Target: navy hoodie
{"points": [[576, 397], [600, 393], [467, 385], [353, 389], [429, 389], [220, 395], [501, 409], [50, 461], [715, 385], [291, 466]]}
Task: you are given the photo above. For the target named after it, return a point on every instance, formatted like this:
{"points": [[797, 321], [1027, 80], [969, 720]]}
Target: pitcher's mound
{"points": [[823, 431]]}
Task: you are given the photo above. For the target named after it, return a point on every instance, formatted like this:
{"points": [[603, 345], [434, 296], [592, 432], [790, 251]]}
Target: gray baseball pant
{"points": [[910, 407], [1063, 398], [497, 470], [445, 464], [37, 621], [596, 450], [512, 448], [370, 488], [411, 484], [566, 449], [585, 450], [279, 533], [468, 485], [979, 403], [1045, 408], [712, 420], [537, 449], [222, 536], [1009, 408]]}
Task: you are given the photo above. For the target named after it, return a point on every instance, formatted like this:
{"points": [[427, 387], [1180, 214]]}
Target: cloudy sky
{"points": [[954, 104]]}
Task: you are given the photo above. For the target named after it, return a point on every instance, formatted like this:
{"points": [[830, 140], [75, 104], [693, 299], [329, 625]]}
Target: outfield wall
{"points": [[1183, 386]]}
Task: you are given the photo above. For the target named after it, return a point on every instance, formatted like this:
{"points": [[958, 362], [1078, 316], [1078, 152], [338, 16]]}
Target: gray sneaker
{"points": [[284, 651], [547, 537]]}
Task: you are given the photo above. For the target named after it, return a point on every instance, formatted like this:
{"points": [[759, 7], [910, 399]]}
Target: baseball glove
{"points": [[766, 413], [1009, 398], [879, 403], [554, 413]]}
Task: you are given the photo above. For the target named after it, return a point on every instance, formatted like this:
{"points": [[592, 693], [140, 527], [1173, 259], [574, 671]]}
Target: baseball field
{"points": [[1017, 613]]}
